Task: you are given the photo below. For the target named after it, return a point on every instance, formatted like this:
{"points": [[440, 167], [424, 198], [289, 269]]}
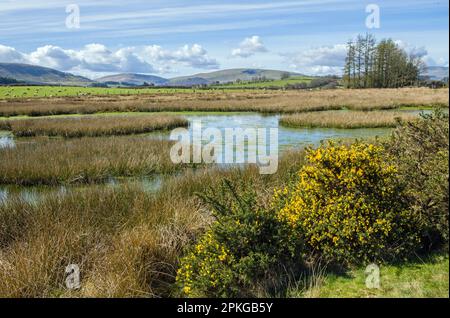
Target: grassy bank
{"points": [[285, 102], [347, 119], [92, 126], [423, 278], [85, 160]]}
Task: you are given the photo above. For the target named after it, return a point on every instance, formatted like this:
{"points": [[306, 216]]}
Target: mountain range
{"points": [[436, 72], [223, 76], [32, 74]]}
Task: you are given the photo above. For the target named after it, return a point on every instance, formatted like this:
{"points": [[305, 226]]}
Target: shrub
{"points": [[420, 150], [244, 252], [348, 205]]}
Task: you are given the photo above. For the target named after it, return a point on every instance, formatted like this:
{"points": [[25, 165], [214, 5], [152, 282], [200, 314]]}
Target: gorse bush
{"points": [[246, 250], [420, 150], [348, 206]]}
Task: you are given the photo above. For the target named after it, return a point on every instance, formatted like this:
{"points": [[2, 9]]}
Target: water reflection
{"points": [[6, 141], [35, 194]]}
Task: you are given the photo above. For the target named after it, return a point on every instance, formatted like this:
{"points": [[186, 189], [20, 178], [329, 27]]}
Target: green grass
{"points": [[428, 278], [11, 92], [266, 84]]}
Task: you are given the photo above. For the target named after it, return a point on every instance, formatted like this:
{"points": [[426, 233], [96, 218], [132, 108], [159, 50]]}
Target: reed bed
{"points": [[215, 100], [94, 126], [127, 242], [85, 160], [346, 119]]}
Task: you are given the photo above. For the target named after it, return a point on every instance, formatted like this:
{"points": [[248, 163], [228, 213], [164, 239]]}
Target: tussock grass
{"points": [[216, 100], [346, 119], [86, 160], [93, 126], [127, 242]]}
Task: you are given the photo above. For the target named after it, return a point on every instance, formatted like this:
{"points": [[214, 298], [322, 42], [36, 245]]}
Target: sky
{"points": [[172, 38]]}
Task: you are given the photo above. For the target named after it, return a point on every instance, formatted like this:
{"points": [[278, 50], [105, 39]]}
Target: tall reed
{"points": [[86, 160], [94, 126], [346, 119]]}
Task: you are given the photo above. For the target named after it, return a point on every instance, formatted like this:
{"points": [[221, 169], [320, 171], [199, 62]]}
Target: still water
{"points": [[287, 138]]}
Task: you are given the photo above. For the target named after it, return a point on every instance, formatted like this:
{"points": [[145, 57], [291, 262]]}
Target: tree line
{"points": [[380, 65]]}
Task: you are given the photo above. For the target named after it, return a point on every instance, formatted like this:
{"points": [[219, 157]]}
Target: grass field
{"points": [[423, 278], [267, 84], [17, 92], [12, 92], [256, 101], [92, 126], [346, 119]]}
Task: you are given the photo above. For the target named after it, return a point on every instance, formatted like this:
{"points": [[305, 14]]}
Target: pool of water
{"points": [[287, 138], [6, 140], [35, 194]]}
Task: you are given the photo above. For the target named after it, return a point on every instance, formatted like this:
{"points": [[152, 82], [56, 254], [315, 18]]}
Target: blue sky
{"points": [[174, 37]]}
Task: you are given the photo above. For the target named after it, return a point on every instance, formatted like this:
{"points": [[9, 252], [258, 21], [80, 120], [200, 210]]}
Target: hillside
{"points": [[32, 74], [436, 72], [231, 75], [133, 79]]}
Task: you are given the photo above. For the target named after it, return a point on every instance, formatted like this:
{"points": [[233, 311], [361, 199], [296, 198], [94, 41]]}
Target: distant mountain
{"points": [[231, 75], [436, 72], [133, 79], [31, 74], [188, 81]]}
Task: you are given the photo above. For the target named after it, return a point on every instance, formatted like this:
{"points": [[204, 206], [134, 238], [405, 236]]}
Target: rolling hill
{"points": [[231, 75], [32, 74], [133, 79]]}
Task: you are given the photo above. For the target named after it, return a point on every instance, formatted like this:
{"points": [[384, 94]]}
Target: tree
{"points": [[382, 65]]}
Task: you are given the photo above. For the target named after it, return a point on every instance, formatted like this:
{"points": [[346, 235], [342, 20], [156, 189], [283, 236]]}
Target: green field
{"points": [[12, 92], [267, 84], [8, 92]]}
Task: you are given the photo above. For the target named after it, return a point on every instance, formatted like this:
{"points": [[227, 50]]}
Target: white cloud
{"points": [[11, 55], [193, 56], [422, 53], [54, 57], [98, 58], [323, 60], [248, 47]]}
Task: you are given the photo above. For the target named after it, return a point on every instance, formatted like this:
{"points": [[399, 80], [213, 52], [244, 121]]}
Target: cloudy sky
{"points": [[175, 37]]}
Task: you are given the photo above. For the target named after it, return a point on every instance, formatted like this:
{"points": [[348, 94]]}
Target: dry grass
{"points": [[346, 119], [91, 126], [260, 101], [127, 242], [85, 160]]}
